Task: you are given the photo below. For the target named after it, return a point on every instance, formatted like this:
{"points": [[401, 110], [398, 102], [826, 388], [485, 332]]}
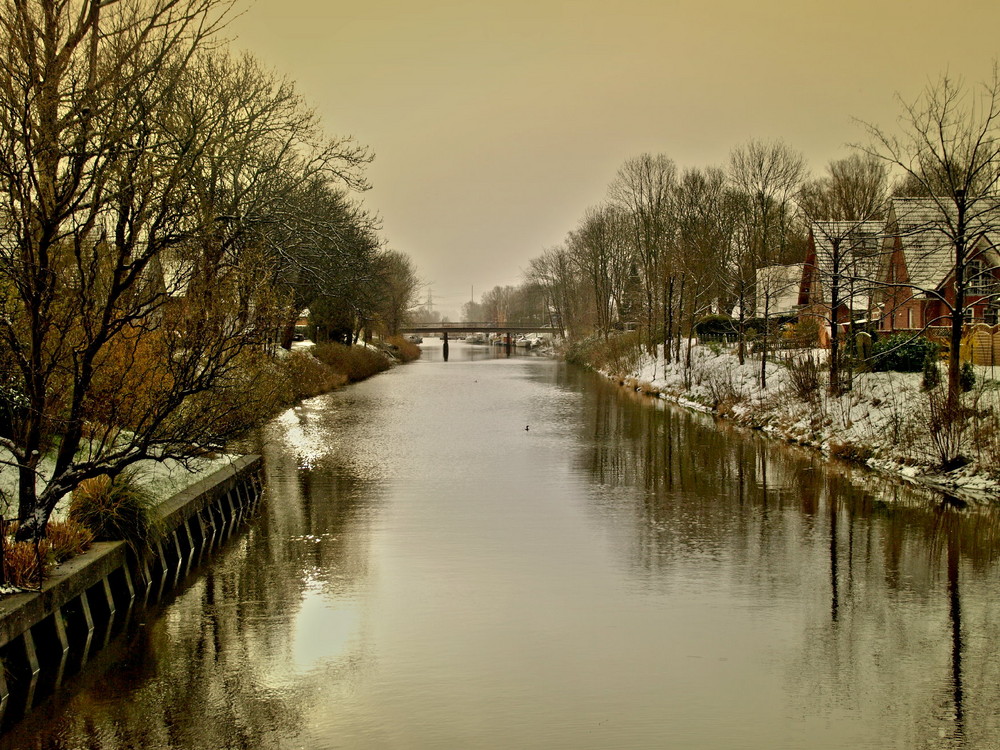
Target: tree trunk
{"points": [[680, 314], [763, 340], [958, 311], [668, 317], [741, 349], [834, 323]]}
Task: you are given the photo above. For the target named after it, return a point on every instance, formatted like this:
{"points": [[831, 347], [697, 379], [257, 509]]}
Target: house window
{"points": [[990, 315], [978, 278], [968, 315], [865, 244]]}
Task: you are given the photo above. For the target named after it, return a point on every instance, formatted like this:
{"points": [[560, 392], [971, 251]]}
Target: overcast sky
{"points": [[496, 124]]}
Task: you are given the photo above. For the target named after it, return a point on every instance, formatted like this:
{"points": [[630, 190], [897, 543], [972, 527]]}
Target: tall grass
{"points": [[68, 539], [354, 362], [26, 563], [406, 351], [619, 354], [115, 509]]}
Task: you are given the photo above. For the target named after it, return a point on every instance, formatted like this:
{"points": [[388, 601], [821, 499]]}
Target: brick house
{"points": [[841, 259], [916, 268]]}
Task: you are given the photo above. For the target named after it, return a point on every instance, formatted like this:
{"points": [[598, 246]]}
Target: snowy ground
{"points": [[164, 479], [883, 421]]}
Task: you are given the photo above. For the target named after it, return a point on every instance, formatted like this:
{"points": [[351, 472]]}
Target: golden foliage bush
{"points": [[256, 386], [406, 351], [131, 378], [308, 377], [24, 564], [356, 362]]}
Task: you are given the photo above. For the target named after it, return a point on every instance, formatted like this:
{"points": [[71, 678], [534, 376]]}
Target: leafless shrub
{"points": [[948, 425], [854, 452], [804, 375], [723, 393]]}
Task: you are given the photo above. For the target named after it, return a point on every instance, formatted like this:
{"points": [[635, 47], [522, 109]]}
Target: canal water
{"points": [[497, 552]]}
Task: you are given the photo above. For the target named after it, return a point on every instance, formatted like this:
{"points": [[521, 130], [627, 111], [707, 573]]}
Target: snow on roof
{"points": [[927, 228], [857, 248], [778, 288]]}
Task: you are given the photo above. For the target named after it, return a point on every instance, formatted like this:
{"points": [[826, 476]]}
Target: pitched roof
{"points": [[927, 228], [856, 246]]}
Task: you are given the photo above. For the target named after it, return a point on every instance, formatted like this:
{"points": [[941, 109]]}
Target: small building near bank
{"points": [[777, 290]]}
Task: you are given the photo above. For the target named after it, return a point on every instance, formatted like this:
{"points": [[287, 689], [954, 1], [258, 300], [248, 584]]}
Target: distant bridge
{"points": [[491, 327]]}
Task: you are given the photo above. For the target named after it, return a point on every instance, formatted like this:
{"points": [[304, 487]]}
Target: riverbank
{"points": [[304, 372], [48, 634], [310, 369], [883, 421]]}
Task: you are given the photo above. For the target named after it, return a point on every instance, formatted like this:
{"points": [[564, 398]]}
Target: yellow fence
{"points": [[981, 345]]}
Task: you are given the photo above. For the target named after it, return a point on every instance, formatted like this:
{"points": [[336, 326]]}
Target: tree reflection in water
{"points": [[859, 611], [910, 574]]}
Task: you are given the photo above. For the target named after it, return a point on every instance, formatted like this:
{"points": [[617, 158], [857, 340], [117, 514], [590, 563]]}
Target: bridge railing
{"points": [[483, 326]]}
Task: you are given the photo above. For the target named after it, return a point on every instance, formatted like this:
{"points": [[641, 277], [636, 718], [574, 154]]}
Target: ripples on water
{"points": [[427, 573]]}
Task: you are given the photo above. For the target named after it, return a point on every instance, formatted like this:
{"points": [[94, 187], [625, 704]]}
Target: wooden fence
{"points": [[981, 345]]}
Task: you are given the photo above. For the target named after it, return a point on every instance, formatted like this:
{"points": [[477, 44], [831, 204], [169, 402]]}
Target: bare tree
{"points": [[267, 178], [398, 290], [854, 189], [137, 189], [842, 260], [555, 274], [602, 252], [949, 149], [643, 188], [768, 175], [497, 302], [843, 208], [81, 85], [705, 228]]}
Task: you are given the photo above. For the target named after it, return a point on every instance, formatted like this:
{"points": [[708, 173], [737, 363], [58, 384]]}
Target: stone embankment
{"points": [[45, 636]]}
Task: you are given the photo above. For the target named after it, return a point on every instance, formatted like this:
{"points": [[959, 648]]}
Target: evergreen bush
{"points": [[932, 374], [715, 325], [967, 377], [902, 353]]}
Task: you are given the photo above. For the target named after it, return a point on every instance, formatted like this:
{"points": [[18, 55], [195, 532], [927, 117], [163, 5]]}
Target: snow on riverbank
{"points": [[163, 478], [881, 422]]}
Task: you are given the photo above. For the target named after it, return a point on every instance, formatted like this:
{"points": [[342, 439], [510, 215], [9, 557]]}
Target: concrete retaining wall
{"points": [[48, 635]]}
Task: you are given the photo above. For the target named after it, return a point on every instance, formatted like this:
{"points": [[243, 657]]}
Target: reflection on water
{"points": [[427, 572]]}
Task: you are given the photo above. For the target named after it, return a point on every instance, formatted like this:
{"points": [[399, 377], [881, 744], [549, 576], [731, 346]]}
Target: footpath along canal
{"points": [[497, 552]]}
